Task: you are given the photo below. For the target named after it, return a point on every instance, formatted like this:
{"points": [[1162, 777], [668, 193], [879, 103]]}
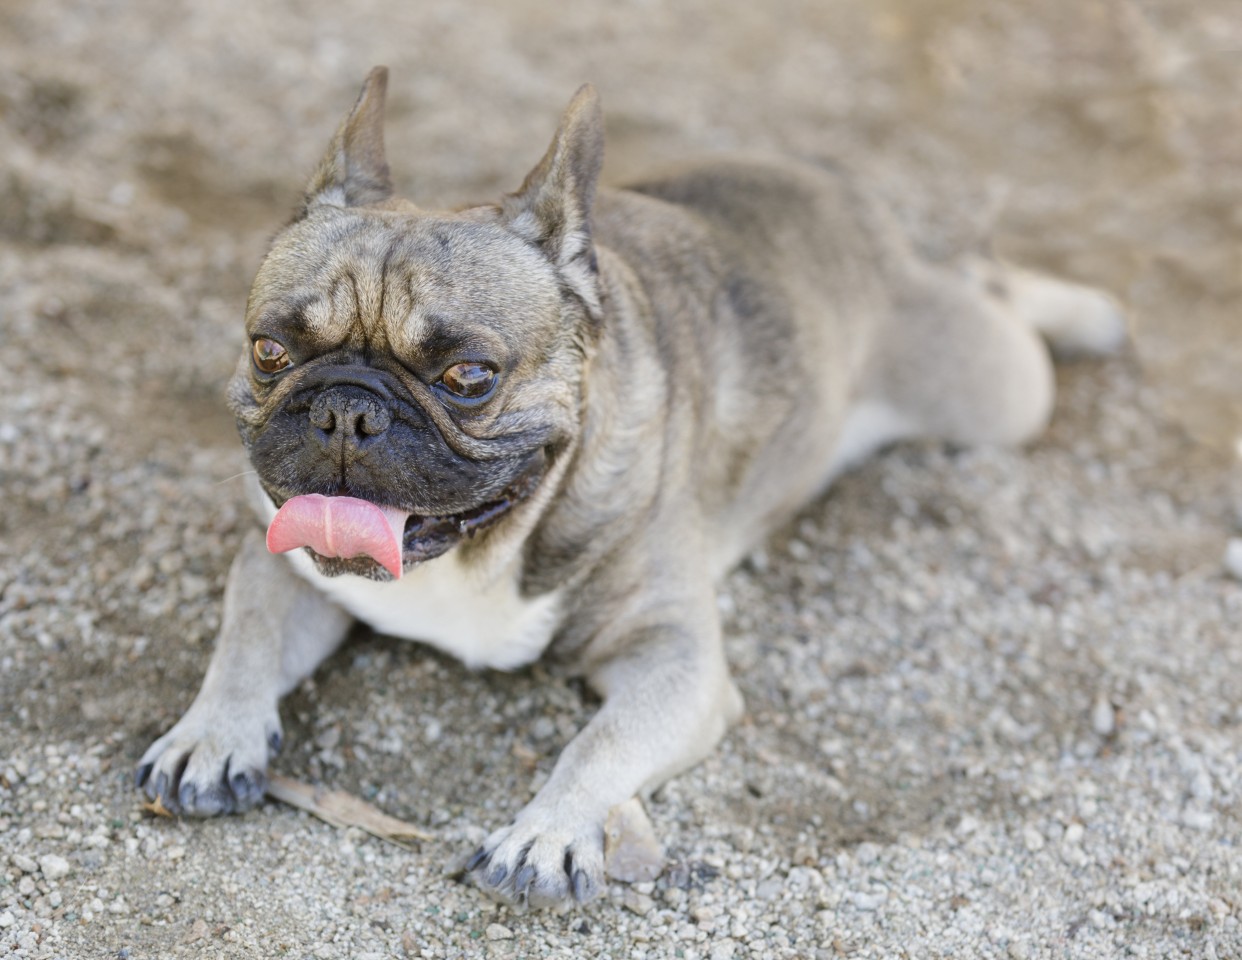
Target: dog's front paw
{"points": [[211, 762], [543, 860]]}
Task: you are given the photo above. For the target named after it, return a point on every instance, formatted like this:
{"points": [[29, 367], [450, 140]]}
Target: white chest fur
{"points": [[482, 622]]}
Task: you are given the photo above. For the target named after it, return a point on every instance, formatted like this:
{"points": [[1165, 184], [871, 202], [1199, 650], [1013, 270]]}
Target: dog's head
{"points": [[418, 369]]}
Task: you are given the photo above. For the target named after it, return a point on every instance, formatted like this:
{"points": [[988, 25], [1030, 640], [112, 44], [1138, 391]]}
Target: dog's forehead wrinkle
{"points": [[345, 285]]}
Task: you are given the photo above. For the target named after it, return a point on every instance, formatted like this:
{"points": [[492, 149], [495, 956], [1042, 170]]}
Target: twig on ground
{"points": [[343, 810]]}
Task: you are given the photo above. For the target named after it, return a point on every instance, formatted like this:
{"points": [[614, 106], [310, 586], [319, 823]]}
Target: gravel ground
{"points": [[994, 697]]}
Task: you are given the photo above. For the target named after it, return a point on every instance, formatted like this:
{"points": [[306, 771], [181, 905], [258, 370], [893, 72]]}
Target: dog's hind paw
{"points": [[211, 762], [1076, 320], [542, 861]]}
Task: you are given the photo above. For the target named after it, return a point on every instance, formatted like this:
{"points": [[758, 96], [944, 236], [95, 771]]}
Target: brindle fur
{"points": [[685, 363]]}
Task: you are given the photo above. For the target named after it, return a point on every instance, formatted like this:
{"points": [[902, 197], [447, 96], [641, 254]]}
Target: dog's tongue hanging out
{"points": [[342, 527]]}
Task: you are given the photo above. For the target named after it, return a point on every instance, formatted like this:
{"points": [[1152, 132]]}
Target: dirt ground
{"points": [[994, 697]]}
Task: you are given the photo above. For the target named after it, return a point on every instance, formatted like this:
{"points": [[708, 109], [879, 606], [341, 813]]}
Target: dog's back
{"points": [[762, 282]]}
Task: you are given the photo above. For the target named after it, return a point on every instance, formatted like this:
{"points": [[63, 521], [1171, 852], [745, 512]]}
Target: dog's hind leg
{"points": [[966, 355], [955, 365]]}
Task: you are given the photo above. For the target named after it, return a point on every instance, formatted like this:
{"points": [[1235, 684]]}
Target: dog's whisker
{"points": [[244, 473]]}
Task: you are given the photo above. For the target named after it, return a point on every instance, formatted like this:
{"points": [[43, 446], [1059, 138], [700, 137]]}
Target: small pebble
{"points": [[638, 903], [1103, 717], [724, 950], [54, 867], [869, 900], [1233, 558], [497, 931], [770, 889]]}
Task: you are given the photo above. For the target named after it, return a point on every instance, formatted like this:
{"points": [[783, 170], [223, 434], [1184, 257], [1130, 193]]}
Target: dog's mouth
{"points": [[346, 534]]}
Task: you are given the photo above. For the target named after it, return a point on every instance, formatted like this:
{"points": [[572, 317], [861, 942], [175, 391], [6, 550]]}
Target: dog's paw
{"points": [[211, 762], [542, 860], [1076, 320]]}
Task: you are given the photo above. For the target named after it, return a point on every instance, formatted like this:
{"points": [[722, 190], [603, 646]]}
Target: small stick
{"points": [[343, 809]]}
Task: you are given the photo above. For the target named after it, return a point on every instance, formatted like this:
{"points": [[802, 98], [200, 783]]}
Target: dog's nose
{"points": [[349, 414]]}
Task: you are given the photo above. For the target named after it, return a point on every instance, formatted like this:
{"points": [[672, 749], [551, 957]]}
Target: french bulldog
{"points": [[550, 424]]}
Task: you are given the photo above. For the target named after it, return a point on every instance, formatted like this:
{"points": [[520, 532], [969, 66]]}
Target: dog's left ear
{"points": [[553, 206], [354, 171]]}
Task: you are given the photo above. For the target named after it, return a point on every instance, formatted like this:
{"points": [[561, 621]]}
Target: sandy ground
{"points": [[994, 697]]}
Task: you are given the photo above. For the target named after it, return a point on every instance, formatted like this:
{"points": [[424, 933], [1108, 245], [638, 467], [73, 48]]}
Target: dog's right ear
{"points": [[354, 171], [553, 206]]}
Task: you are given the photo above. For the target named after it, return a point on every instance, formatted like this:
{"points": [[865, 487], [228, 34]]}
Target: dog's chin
{"points": [[428, 537]]}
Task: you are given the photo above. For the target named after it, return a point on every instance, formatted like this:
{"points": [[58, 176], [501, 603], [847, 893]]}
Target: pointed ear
{"points": [[553, 206], [354, 171]]}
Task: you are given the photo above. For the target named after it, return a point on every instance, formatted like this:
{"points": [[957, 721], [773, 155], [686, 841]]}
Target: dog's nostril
{"points": [[373, 421], [322, 414]]}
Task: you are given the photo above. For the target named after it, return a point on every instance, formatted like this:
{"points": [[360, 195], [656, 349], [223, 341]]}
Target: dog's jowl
{"points": [[547, 425]]}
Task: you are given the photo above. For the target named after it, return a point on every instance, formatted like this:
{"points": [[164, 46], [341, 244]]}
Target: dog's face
{"points": [[426, 363]]}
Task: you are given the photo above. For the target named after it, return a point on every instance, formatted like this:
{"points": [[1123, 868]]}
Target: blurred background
{"points": [[149, 148]]}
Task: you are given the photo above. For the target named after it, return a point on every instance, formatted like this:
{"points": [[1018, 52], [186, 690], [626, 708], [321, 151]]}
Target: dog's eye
{"points": [[470, 381], [270, 356]]}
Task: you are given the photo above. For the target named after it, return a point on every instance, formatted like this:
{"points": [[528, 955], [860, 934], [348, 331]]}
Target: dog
{"points": [[550, 424]]}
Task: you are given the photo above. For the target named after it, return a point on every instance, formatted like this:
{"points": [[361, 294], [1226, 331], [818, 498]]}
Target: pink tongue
{"points": [[340, 527]]}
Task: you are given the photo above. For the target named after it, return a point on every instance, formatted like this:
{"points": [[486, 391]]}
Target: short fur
{"points": [[682, 364]]}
